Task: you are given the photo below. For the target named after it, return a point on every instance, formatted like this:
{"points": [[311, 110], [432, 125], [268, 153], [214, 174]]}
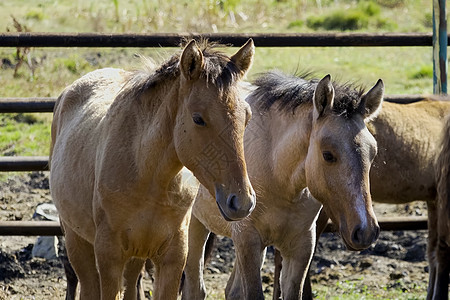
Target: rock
{"points": [[46, 211], [46, 247]]}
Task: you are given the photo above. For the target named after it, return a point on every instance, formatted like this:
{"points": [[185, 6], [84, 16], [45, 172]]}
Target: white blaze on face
{"points": [[367, 149]]}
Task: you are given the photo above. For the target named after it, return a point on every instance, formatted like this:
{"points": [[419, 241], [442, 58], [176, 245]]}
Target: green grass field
{"points": [[405, 70]]}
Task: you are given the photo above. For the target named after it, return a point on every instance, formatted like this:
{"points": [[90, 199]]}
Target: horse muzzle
{"points": [[360, 237], [235, 206]]}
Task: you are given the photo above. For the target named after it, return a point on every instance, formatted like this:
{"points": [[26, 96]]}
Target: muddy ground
{"points": [[397, 261]]}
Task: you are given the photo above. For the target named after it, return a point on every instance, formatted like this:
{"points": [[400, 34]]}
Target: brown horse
{"points": [[303, 133], [119, 141], [404, 170]]}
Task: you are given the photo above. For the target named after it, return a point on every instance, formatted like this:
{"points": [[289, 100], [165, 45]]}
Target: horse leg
{"points": [[295, 265], [432, 247], [82, 258], [111, 262], [277, 273], [133, 276], [321, 224], [169, 268], [247, 270], [442, 271], [193, 284], [233, 287], [443, 249], [71, 277]]}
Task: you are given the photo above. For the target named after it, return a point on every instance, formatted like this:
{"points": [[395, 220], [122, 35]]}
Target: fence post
{"points": [[440, 42]]}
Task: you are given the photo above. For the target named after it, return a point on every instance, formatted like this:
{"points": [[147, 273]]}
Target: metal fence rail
{"points": [[46, 104], [50, 228], [23, 163], [97, 40]]}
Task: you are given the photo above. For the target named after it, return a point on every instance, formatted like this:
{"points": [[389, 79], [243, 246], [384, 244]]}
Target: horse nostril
{"points": [[232, 202], [357, 235]]}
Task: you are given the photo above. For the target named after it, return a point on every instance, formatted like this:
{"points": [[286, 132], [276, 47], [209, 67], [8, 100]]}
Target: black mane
{"points": [[291, 91]]}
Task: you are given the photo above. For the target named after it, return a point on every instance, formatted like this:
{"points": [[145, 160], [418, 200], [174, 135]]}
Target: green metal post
{"points": [[440, 41]]}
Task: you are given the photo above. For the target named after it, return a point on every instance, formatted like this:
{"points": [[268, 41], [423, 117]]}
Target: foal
{"points": [[119, 141], [304, 133], [405, 170]]}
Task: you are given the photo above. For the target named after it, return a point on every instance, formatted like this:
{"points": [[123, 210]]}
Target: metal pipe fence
{"points": [[46, 104]]}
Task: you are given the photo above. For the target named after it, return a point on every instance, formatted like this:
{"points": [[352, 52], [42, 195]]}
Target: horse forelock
{"points": [[291, 91], [218, 70]]}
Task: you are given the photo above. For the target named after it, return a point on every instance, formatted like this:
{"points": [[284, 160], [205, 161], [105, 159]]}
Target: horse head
{"points": [[210, 125], [340, 154]]}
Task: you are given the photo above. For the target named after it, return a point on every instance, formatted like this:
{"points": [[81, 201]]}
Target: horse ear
{"points": [[371, 101], [323, 96], [191, 61], [243, 58]]}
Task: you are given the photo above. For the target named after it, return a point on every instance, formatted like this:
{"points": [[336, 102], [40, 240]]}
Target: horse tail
{"points": [[442, 170], [54, 128]]}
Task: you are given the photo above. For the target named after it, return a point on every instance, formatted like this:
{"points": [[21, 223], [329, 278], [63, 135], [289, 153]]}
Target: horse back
{"points": [[91, 94], [86, 101]]}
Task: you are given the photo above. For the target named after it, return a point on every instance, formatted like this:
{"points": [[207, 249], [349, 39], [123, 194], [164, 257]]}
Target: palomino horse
{"points": [[303, 134], [119, 141], [408, 138]]}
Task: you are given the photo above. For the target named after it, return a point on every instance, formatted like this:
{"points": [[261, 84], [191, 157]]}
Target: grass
{"points": [[357, 289]]}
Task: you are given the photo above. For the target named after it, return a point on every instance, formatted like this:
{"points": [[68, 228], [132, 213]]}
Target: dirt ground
{"points": [[396, 261]]}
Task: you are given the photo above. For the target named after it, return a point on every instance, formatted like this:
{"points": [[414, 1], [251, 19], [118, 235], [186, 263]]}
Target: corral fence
{"points": [[32, 105]]}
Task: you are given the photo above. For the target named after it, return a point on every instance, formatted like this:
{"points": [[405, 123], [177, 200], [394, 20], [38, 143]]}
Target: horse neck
{"points": [[158, 160], [276, 147]]}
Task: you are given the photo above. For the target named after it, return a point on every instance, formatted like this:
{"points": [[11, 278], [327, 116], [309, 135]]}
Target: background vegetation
{"points": [[46, 71]]}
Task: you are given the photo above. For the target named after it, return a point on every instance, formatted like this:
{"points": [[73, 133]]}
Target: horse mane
{"points": [[291, 91], [218, 70]]}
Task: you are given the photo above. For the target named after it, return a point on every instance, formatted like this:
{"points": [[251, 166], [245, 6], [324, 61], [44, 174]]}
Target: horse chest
{"points": [[145, 232]]}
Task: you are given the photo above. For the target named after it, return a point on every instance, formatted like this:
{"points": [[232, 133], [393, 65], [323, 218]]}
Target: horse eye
{"points": [[328, 156], [198, 120]]}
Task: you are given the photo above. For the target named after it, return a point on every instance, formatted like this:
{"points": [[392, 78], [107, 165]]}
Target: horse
{"points": [[439, 247], [119, 141], [405, 170], [303, 133]]}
